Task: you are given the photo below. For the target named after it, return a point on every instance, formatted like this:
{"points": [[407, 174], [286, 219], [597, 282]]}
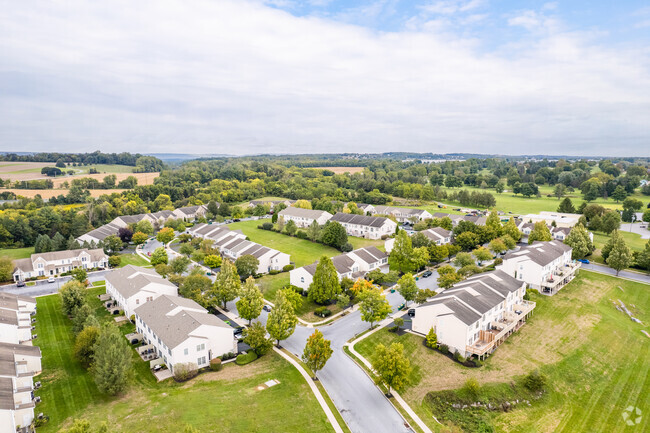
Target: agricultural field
{"points": [[594, 356], [229, 400], [341, 170], [49, 193]]}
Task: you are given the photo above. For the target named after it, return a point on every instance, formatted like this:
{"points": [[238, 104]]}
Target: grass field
{"points": [[17, 253], [633, 240], [133, 259], [594, 356], [224, 401]]}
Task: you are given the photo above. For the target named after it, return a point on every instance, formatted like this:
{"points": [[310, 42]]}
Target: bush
{"points": [[347, 247], [114, 261], [498, 261], [185, 371], [322, 312], [274, 272], [471, 388], [443, 348], [384, 237], [227, 356], [267, 226], [298, 290], [535, 381], [458, 357], [215, 364], [288, 268], [244, 359], [301, 234], [393, 329]]}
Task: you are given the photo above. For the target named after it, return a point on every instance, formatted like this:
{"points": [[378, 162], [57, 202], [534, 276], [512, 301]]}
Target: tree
{"points": [[84, 344], [611, 221], [282, 319], [497, 246], [482, 254], [73, 296], [250, 301], [226, 286], [646, 216], [112, 244], [510, 229], [291, 228], [194, 285], [499, 187], [619, 193], [247, 265], [159, 256], [58, 242], [566, 206], [212, 261], [111, 361], [407, 287], [401, 256], [6, 268], [447, 276], [334, 235], [139, 238], [325, 285], [186, 249], [179, 264], [420, 257], [391, 366], [643, 258], [125, 234], [579, 240], [620, 256], [463, 259], [540, 232], [80, 275], [438, 253], [313, 231], [255, 337], [144, 226], [165, 235], [432, 339], [317, 351], [467, 240], [79, 317], [559, 191], [494, 223], [373, 305], [163, 269], [303, 204], [343, 301]]}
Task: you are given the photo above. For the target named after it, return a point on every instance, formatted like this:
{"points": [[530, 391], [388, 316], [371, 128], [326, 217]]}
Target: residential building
{"points": [[367, 209], [132, 286], [190, 213], [16, 313], [181, 331], [455, 218], [354, 264], [271, 203], [476, 315], [304, 217], [58, 262], [402, 214], [436, 235], [544, 266], [368, 227]]}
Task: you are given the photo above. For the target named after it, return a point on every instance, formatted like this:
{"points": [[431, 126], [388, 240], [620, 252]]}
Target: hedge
{"points": [[244, 359]]}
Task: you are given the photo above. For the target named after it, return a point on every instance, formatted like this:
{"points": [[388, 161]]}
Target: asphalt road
{"points": [[643, 278], [42, 287], [361, 403]]}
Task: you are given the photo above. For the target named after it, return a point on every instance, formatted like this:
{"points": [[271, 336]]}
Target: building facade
{"points": [[58, 262], [368, 227]]}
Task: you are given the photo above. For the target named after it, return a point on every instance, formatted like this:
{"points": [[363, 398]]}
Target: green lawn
{"points": [[228, 400], [632, 240], [595, 358], [133, 259], [17, 253]]}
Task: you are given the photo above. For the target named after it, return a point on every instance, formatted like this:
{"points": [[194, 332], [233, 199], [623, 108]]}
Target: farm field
{"points": [[17, 253], [594, 356], [69, 392], [49, 193], [341, 170]]}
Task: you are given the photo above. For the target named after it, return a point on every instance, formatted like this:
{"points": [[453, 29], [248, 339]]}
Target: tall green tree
{"points": [[643, 258], [111, 361], [540, 232], [165, 235], [73, 296], [334, 235], [313, 231], [255, 337], [391, 366], [579, 240], [179, 264], [194, 285], [247, 265], [159, 256], [84, 345], [401, 256], [317, 351], [493, 222], [611, 221], [566, 206], [282, 319], [510, 229], [619, 193], [373, 305], [620, 256], [250, 301], [407, 287], [6, 268], [226, 286], [482, 254], [325, 285]]}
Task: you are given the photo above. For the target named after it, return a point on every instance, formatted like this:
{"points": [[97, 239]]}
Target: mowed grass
{"points": [[216, 401], [595, 357], [133, 259], [17, 253], [632, 240]]}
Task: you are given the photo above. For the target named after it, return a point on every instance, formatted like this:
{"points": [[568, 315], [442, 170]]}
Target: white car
{"points": [[51, 280]]}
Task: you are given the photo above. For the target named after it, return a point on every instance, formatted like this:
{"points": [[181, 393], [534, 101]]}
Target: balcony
{"points": [[560, 277]]}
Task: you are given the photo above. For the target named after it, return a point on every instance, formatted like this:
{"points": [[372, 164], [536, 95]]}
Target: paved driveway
{"points": [[362, 405], [42, 287], [636, 228]]}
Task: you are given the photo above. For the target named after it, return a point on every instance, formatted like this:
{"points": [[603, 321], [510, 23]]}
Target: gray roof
{"points": [[443, 215], [541, 253], [130, 219], [436, 233], [342, 263], [369, 221], [104, 231], [20, 349], [190, 210], [164, 214], [7, 394], [95, 254], [8, 364], [130, 279], [402, 210], [9, 316], [303, 213], [10, 300], [174, 329], [370, 254]]}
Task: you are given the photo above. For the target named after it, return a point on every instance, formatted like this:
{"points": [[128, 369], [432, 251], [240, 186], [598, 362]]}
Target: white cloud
{"points": [[448, 7], [238, 77]]}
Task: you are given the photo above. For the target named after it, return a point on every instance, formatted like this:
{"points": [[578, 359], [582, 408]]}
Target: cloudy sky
{"points": [[301, 76]]}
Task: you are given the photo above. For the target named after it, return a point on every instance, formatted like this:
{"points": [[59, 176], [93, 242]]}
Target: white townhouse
{"points": [[58, 262], [190, 213], [123, 221], [354, 264], [215, 232], [182, 331], [304, 217], [269, 258], [436, 235], [368, 227], [16, 313], [271, 203], [479, 220], [132, 286], [544, 266], [476, 315], [16, 387], [402, 214]]}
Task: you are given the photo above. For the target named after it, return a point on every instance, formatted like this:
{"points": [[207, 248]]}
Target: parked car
{"points": [[266, 308], [427, 274], [585, 261], [236, 220], [51, 280], [411, 312], [20, 284]]}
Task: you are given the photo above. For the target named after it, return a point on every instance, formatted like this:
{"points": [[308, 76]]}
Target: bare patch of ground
{"points": [[341, 170]]}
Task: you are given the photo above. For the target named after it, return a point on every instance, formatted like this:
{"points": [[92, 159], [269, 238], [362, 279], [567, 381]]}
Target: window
{"points": [[186, 351], [200, 347], [169, 351], [302, 279], [137, 302], [200, 361]]}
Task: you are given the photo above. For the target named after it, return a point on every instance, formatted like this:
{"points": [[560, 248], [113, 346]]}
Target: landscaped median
{"points": [[593, 356]]}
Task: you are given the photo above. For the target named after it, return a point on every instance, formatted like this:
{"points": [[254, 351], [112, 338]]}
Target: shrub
{"points": [[384, 237], [497, 261], [227, 356], [471, 388], [535, 381], [443, 348], [288, 268], [393, 329], [458, 357], [347, 247], [267, 226], [274, 272], [298, 290], [244, 359], [185, 371], [114, 261], [215, 364], [322, 312], [301, 234]]}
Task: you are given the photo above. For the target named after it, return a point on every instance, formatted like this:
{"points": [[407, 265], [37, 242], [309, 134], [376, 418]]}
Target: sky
{"points": [[326, 76]]}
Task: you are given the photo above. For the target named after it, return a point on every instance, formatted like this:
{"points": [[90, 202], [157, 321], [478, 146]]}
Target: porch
{"points": [[559, 278]]}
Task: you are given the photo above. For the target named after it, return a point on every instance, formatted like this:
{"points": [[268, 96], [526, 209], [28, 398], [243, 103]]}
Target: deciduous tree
{"points": [[317, 351], [325, 285], [226, 286], [247, 265], [407, 287], [159, 256], [620, 256], [373, 305], [250, 301], [282, 319], [165, 235], [255, 337], [401, 256], [391, 366], [540, 232], [73, 296], [579, 240]]}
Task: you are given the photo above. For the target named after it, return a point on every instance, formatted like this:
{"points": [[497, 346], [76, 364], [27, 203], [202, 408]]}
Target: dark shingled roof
{"points": [[541, 253], [369, 221]]}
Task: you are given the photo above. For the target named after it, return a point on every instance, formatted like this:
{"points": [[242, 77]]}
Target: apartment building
{"points": [[368, 227], [304, 217], [16, 313], [132, 286], [402, 214], [476, 315], [58, 262]]}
